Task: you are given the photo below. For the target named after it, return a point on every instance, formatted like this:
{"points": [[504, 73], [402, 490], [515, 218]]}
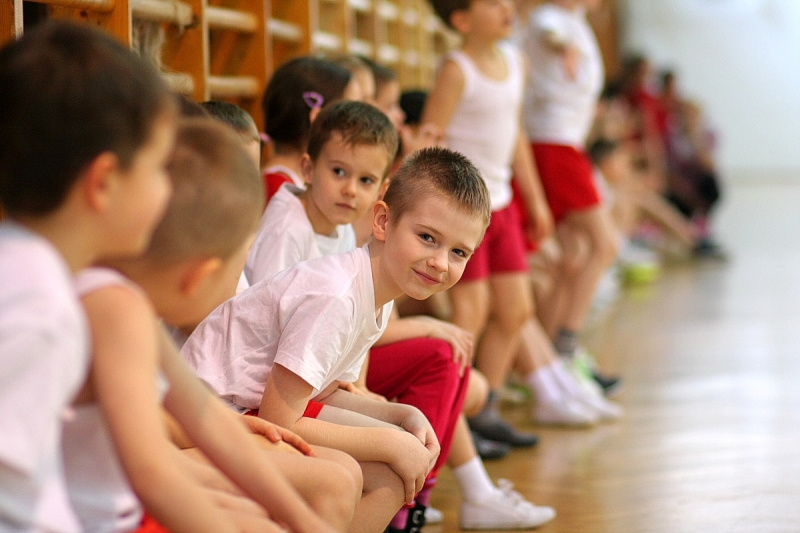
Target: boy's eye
{"points": [[425, 237], [460, 253], [339, 171], [366, 180]]}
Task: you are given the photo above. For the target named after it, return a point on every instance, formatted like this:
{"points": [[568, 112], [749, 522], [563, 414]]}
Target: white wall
{"points": [[741, 60]]}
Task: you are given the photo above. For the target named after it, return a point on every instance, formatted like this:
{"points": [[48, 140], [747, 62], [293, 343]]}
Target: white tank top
{"points": [[98, 487], [485, 124]]}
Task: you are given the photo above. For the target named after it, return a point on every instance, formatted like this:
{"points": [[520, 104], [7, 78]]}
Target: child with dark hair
{"points": [[294, 95], [350, 151], [435, 215], [85, 131], [241, 122]]}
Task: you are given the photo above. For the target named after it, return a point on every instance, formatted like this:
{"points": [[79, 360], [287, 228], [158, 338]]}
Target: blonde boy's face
{"points": [[343, 182], [142, 191], [427, 250]]}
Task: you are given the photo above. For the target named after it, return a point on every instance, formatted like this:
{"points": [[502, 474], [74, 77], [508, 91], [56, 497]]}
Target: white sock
{"points": [[545, 385], [565, 379], [474, 481]]}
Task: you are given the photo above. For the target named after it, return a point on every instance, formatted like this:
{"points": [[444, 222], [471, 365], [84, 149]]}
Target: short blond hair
{"points": [[217, 198], [438, 171]]}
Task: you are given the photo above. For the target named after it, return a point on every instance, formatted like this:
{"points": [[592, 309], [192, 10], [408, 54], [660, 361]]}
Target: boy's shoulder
{"points": [[33, 275]]}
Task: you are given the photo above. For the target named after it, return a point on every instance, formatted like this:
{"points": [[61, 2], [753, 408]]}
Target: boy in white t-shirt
{"points": [[85, 130], [294, 337], [351, 148]]}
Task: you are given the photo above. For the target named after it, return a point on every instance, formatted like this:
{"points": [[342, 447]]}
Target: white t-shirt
{"points": [[285, 237], [44, 355], [317, 319], [485, 123], [560, 110]]}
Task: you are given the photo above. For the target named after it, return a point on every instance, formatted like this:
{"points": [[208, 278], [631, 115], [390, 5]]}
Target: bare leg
{"points": [[382, 497], [597, 225]]}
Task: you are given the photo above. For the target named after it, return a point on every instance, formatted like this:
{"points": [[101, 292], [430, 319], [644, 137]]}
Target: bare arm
{"points": [[444, 97], [123, 375], [285, 398], [217, 431], [412, 327]]}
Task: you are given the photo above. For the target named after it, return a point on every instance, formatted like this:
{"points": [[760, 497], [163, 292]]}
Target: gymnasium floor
{"points": [[711, 437]]}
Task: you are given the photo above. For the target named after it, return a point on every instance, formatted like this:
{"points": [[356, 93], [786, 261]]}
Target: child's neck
{"points": [[481, 50], [286, 158], [320, 224], [385, 289], [68, 235]]}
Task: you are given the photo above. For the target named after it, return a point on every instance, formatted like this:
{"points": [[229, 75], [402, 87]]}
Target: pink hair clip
{"points": [[314, 100]]}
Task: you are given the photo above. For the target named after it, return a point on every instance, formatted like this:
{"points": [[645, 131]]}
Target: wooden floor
{"points": [[711, 358]]}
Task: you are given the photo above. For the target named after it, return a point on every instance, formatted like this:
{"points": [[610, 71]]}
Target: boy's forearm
{"points": [[391, 413], [364, 444], [525, 175]]}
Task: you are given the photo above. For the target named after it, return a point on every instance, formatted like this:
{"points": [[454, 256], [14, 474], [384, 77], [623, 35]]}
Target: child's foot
{"points": [[563, 412], [583, 363], [490, 425], [505, 509], [488, 449]]}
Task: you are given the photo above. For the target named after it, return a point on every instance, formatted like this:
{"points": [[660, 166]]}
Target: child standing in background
{"points": [[563, 86], [85, 131], [477, 100]]}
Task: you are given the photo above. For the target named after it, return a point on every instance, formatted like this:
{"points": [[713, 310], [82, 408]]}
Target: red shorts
{"points": [[502, 250], [567, 178], [149, 525], [312, 410]]}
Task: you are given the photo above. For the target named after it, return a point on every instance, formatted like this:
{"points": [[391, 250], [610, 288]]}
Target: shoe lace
{"points": [[512, 496]]}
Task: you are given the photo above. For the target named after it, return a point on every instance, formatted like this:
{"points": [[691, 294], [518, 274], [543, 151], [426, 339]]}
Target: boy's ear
{"points": [[307, 168], [312, 115], [98, 181], [460, 21], [197, 273], [380, 218]]}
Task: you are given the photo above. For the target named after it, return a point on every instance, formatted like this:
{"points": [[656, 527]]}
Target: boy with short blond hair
{"points": [[294, 337], [218, 192]]}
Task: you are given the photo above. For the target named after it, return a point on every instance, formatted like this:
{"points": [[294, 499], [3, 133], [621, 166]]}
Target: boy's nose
{"points": [[438, 261], [349, 188]]}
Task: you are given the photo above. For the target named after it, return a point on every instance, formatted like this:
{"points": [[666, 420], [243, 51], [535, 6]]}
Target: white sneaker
{"points": [[433, 516], [591, 397], [566, 412], [505, 509]]}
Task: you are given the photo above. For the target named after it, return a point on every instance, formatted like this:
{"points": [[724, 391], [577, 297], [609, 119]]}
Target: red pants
{"points": [[421, 372], [149, 525]]}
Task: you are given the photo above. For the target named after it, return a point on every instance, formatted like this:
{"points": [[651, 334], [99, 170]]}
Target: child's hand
{"points": [[275, 433], [353, 388], [410, 460], [461, 341], [416, 424], [426, 136], [540, 221]]}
